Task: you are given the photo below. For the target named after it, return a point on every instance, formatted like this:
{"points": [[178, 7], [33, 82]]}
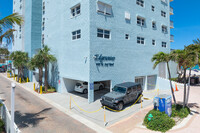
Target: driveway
{"points": [[32, 115]]}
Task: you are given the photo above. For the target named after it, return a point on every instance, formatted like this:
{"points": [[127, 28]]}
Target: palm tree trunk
{"points": [[184, 97], [40, 76], [46, 76], [188, 93], [171, 84]]}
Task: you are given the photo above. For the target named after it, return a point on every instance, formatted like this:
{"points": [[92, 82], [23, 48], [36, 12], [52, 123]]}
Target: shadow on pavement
{"points": [[29, 119]]}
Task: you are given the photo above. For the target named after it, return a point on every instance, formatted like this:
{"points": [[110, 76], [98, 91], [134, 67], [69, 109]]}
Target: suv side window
{"points": [[85, 83], [129, 90], [139, 87], [134, 88]]}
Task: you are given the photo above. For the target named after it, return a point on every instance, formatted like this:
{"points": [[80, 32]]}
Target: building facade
{"points": [[108, 41]]}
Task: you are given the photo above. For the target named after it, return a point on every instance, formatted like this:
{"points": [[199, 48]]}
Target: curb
{"points": [[82, 120]]}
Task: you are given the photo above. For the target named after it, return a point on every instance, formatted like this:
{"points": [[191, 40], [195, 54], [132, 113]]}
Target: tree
{"points": [[195, 49], [6, 25], [164, 57], [37, 62], [47, 57], [20, 60], [185, 60]]}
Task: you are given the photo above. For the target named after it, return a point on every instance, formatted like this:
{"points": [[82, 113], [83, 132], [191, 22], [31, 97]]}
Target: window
{"points": [[103, 33], [104, 8], [140, 2], [20, 28], [140, 40], [20, 36], [42, 38], [20, 7], [140, 21], [164, 44], [43, 24], [164, 29], [163, 13], [154, 25], [154, 42], [153, 8], [43, 7], [127, 36], [75, 11], [76, 34]]}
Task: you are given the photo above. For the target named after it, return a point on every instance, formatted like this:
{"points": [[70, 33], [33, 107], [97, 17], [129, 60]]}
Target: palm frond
{"points": [[8, 21], [8, 35]]}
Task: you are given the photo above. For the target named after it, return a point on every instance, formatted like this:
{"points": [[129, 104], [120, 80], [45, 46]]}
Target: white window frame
{"points": [[140, 40], [77, 34], [140, 3], [76, 10], [163, 14], [107, 8], [103, 33], [127, 36], [164, 44], [164, 29], [153, 42], [140, 21], [154, 23]]}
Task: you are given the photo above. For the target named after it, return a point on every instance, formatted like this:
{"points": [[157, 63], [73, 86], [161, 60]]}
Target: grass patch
{"points": [[161, 121]]}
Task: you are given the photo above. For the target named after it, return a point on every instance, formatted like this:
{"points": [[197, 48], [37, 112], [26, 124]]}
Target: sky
{"points": [[186, 20]]}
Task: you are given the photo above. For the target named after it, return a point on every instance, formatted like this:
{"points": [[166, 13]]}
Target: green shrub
{"points": [[1, 126], [174, 79], [160, 121], [179, 111]]}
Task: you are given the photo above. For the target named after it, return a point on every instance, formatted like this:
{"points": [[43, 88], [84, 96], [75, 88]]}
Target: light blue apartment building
{"points": [[108, 41]]}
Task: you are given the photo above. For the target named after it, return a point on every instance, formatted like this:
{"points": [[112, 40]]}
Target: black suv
{"points": [[122, 94]]}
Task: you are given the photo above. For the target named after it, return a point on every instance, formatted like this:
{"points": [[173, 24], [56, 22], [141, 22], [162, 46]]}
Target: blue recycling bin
{"points": [[163, 103]]}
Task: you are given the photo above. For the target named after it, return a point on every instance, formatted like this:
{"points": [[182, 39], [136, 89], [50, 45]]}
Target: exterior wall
{"points": [[173, 69], [18, 43], [131, 59], [72, 55]]}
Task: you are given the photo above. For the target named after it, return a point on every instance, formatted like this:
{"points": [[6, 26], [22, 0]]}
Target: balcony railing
{"points": [[171, 38], [171, 11], [171, 24]]}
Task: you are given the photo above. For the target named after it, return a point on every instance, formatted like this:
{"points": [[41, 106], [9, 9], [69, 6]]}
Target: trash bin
{"points": [[163, 103]]}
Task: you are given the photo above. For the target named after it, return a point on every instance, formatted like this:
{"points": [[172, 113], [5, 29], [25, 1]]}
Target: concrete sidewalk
{"points": [[189, 125]]}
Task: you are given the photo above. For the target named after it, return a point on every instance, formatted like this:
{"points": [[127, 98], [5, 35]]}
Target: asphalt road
{"points": [[32, 115]]}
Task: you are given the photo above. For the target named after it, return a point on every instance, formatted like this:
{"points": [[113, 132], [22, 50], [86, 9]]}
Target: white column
{"points": [[146, 83], [90, 92]]}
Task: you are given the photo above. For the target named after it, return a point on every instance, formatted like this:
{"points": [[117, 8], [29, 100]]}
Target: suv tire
{"points": [[85, 91], [120, 106]]}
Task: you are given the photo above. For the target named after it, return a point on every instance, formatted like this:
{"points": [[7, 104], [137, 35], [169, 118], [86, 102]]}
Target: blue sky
{"points": [[186, 20]]}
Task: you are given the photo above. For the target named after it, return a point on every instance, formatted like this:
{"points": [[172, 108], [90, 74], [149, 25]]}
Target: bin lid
{"points": [[164, 96]]}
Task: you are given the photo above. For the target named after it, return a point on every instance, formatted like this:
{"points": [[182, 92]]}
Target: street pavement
{"points": [[33, 115]]}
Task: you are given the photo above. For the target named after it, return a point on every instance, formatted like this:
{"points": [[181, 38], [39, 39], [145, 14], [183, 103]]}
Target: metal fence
{"points": [[6, 117]]}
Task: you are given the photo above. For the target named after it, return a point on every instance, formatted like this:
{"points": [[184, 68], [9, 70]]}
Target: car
{"points": [[122, 94], [2, 70], [82, 87]]}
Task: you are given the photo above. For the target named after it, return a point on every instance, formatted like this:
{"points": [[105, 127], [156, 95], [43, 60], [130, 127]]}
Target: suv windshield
{"points": [[119, 89]]}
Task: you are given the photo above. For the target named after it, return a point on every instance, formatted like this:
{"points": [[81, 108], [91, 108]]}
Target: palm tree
{"points": [[164, 57], [47, 57], [195, 49], [185, 59], [20, 60], [197, 41], [6, 24], [37, 62]]}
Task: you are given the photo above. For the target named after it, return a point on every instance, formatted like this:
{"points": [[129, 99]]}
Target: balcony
{"points": [[171, 38], [171, 24], [171, 11]]}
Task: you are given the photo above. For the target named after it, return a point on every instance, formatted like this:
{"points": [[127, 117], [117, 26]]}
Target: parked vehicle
{"points": [[122, 94], [2, 70], [82, 87]]}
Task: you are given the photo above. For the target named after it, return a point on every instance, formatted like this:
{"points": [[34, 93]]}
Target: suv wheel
{"points": [[101, 87], [85, 91], [120, 106]]}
